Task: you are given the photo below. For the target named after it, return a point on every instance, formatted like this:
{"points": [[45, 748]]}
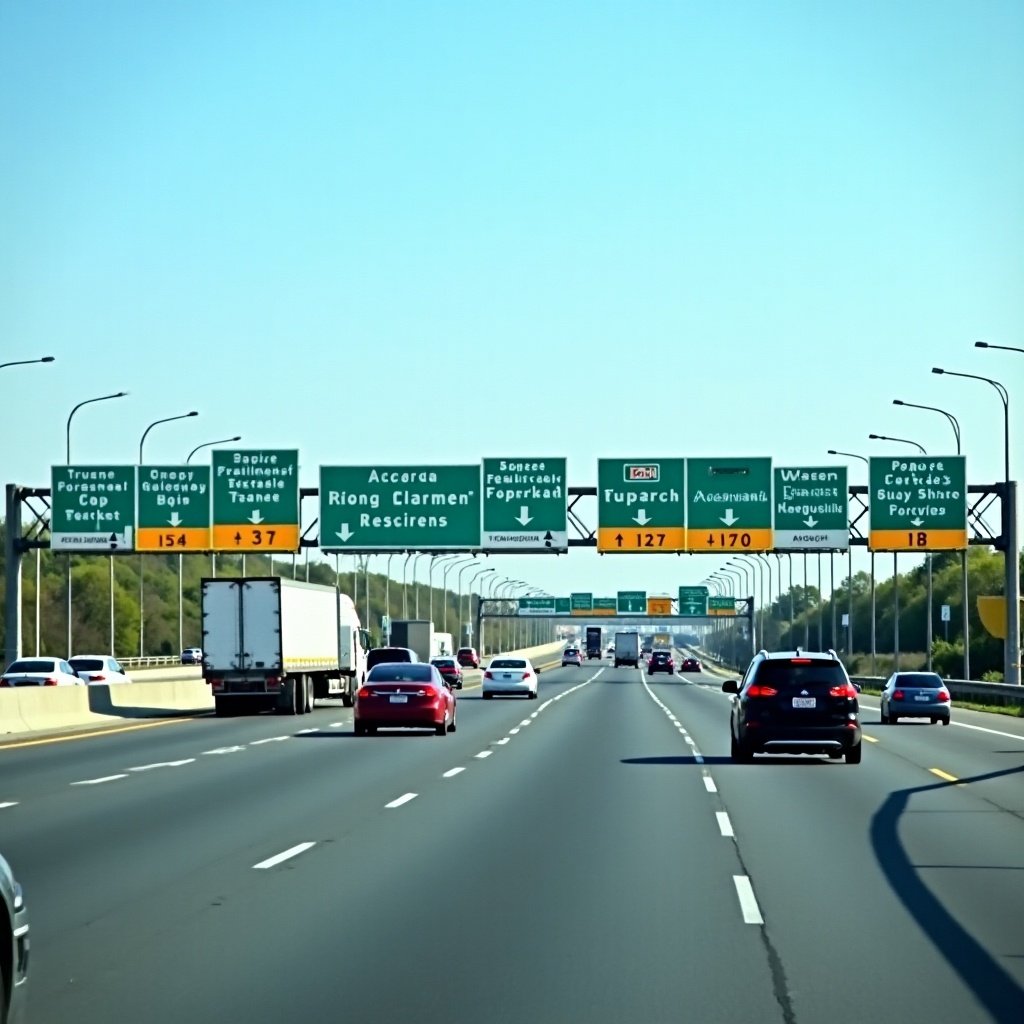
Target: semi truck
{"points": [[627, 649], [662, 641], [416, 634], [593, 642], [277, 644]]}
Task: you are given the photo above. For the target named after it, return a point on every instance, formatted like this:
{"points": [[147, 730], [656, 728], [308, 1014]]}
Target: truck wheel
{"points": [[310, 695], [347, 700]]}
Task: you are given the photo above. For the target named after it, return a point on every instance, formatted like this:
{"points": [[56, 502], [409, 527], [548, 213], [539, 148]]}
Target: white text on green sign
{"points": [[93, 508], [811, 508], [524, 502]]}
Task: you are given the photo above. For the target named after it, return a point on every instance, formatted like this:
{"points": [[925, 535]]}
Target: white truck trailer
{"points": [[274, 643], [627, 649]]}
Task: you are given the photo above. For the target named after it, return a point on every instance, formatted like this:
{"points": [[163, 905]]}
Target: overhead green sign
{"points": [[918, 503], [399, 508], [174, 508], [582, 602], [811, 509], [640, 505], [92, 508], [562, 606], [256, 499], [631, 602], [605, 605], [693, 601], [729, 504], [536, 606], [524, 505]]}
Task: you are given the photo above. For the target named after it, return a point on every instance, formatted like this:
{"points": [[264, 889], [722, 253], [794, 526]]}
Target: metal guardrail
{"points": [[154, 662], [999, 694]]}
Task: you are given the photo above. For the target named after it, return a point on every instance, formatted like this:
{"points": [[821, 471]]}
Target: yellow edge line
{"points": [[943, 775], [98, 732], [870, 739]]}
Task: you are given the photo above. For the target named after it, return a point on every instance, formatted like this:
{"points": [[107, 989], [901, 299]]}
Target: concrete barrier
{"points": [[49, 708]]}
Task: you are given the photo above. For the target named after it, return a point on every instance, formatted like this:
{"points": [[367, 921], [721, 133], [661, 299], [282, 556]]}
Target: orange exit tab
{"points": [[730, 540], [246, 537], [917, 540], [659, 606], [192, 538], [646, 539]]}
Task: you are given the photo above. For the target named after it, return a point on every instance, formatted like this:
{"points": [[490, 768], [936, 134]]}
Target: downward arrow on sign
{"points": [[256, 518], [524, 516], [175, 519], [918, 521], [728, 518], [641, 518], [345, 533], [810, 522]]}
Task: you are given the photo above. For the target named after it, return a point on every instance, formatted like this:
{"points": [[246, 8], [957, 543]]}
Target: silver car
{"points": [[915, 695], [13, 948]]}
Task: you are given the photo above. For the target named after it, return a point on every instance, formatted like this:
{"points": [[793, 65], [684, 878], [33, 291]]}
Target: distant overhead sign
{"points": [[811, 508], [917, 504], [93, 508], [399, 508], [631, 602], [721, 605], [524, 505], [174, 508], [693, 601], [256, 500], [605, 606], [659, 606], [640, 505]]}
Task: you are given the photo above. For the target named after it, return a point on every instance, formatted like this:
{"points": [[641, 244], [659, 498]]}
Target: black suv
{"points": [[795, 702], [661, 661]]}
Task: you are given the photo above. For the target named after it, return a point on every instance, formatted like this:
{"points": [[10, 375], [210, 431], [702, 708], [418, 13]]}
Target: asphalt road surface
{"points": [[592, 856]]}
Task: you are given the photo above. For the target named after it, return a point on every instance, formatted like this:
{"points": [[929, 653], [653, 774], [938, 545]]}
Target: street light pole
{"points": [[469, 610], [458, 602], [67, 456], [188, 459], [444, 589], [142, 611]]}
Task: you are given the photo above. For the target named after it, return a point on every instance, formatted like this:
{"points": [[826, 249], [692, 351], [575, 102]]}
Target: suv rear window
{"points": [[508, 663], [912, 679], [660, 655], [786, 674], [87, 664], [380, 655]]}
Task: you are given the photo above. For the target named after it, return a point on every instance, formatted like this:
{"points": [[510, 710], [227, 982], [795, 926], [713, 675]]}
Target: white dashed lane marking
{"points": [[452, 772], [404, 799], [8, 803], [748, 901], [281, 857], [96, 782], [724, 824]]}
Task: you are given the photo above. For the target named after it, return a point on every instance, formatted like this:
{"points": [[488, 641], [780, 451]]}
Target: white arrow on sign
{"points": [[810, 522], [524, 516], [728, 518], [918, 521], [641, 518], [345, 533], [256, 518], [175, 519]]}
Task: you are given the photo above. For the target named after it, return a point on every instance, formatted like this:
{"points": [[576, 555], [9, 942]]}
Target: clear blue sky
{"points": [[432, 232]]}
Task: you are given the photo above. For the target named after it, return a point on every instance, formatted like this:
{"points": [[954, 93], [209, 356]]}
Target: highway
{"points": [[590, 856]]}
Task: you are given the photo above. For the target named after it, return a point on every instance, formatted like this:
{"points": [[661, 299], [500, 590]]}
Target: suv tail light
{"points": [[487, 675], [943, 696], [898, 695], [758, 690], [846, 690]]}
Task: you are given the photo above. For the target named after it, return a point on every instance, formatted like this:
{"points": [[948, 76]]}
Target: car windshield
{"points": [[508, 663], [786, 674], [87, 664], [33, 665], [408, 673], [919, 679]]}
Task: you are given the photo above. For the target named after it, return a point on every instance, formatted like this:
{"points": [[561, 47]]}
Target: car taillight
{"points": [[526, 675], [50, 681], [758, 690], [364, 692], [799, 661], [898, 695], [5, 682], [430, 692], [943, 696], [846, 690], [273, 682], [96, 678], [487, 675]]}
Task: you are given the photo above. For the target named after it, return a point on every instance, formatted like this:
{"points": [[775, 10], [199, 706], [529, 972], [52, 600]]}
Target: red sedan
{"points": [[690, 665], [404, 696]]}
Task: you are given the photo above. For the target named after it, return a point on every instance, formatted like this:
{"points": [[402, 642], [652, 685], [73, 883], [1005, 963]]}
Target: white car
{"points": [[40, 672], [99, 668], [506, 676]]}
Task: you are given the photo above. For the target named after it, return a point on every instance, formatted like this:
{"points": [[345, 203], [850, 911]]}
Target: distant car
{"points": [[794, 702], [915, 695], [390, 656], [690, 665], [572, 656], [467, 657], [507, 676], [661, 661], [14, 947], [401, 696], [40, 672], [99, 668], [192, 656], [610, 650], [450, 670]]}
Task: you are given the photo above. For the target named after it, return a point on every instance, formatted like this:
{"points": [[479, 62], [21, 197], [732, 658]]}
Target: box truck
{"points": [[627, 649], [593, 642], [416, 634], [277, 644]]}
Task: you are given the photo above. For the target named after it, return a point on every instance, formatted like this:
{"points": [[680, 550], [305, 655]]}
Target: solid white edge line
{"points": [[724, 824], [268, 739], [96, 782], [8, 803], [286, 855], [709, 784], [452, 772], [748, 901], [403, 799]]}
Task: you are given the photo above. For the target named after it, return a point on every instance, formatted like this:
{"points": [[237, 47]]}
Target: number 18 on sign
{"points": [[918, 504]]}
